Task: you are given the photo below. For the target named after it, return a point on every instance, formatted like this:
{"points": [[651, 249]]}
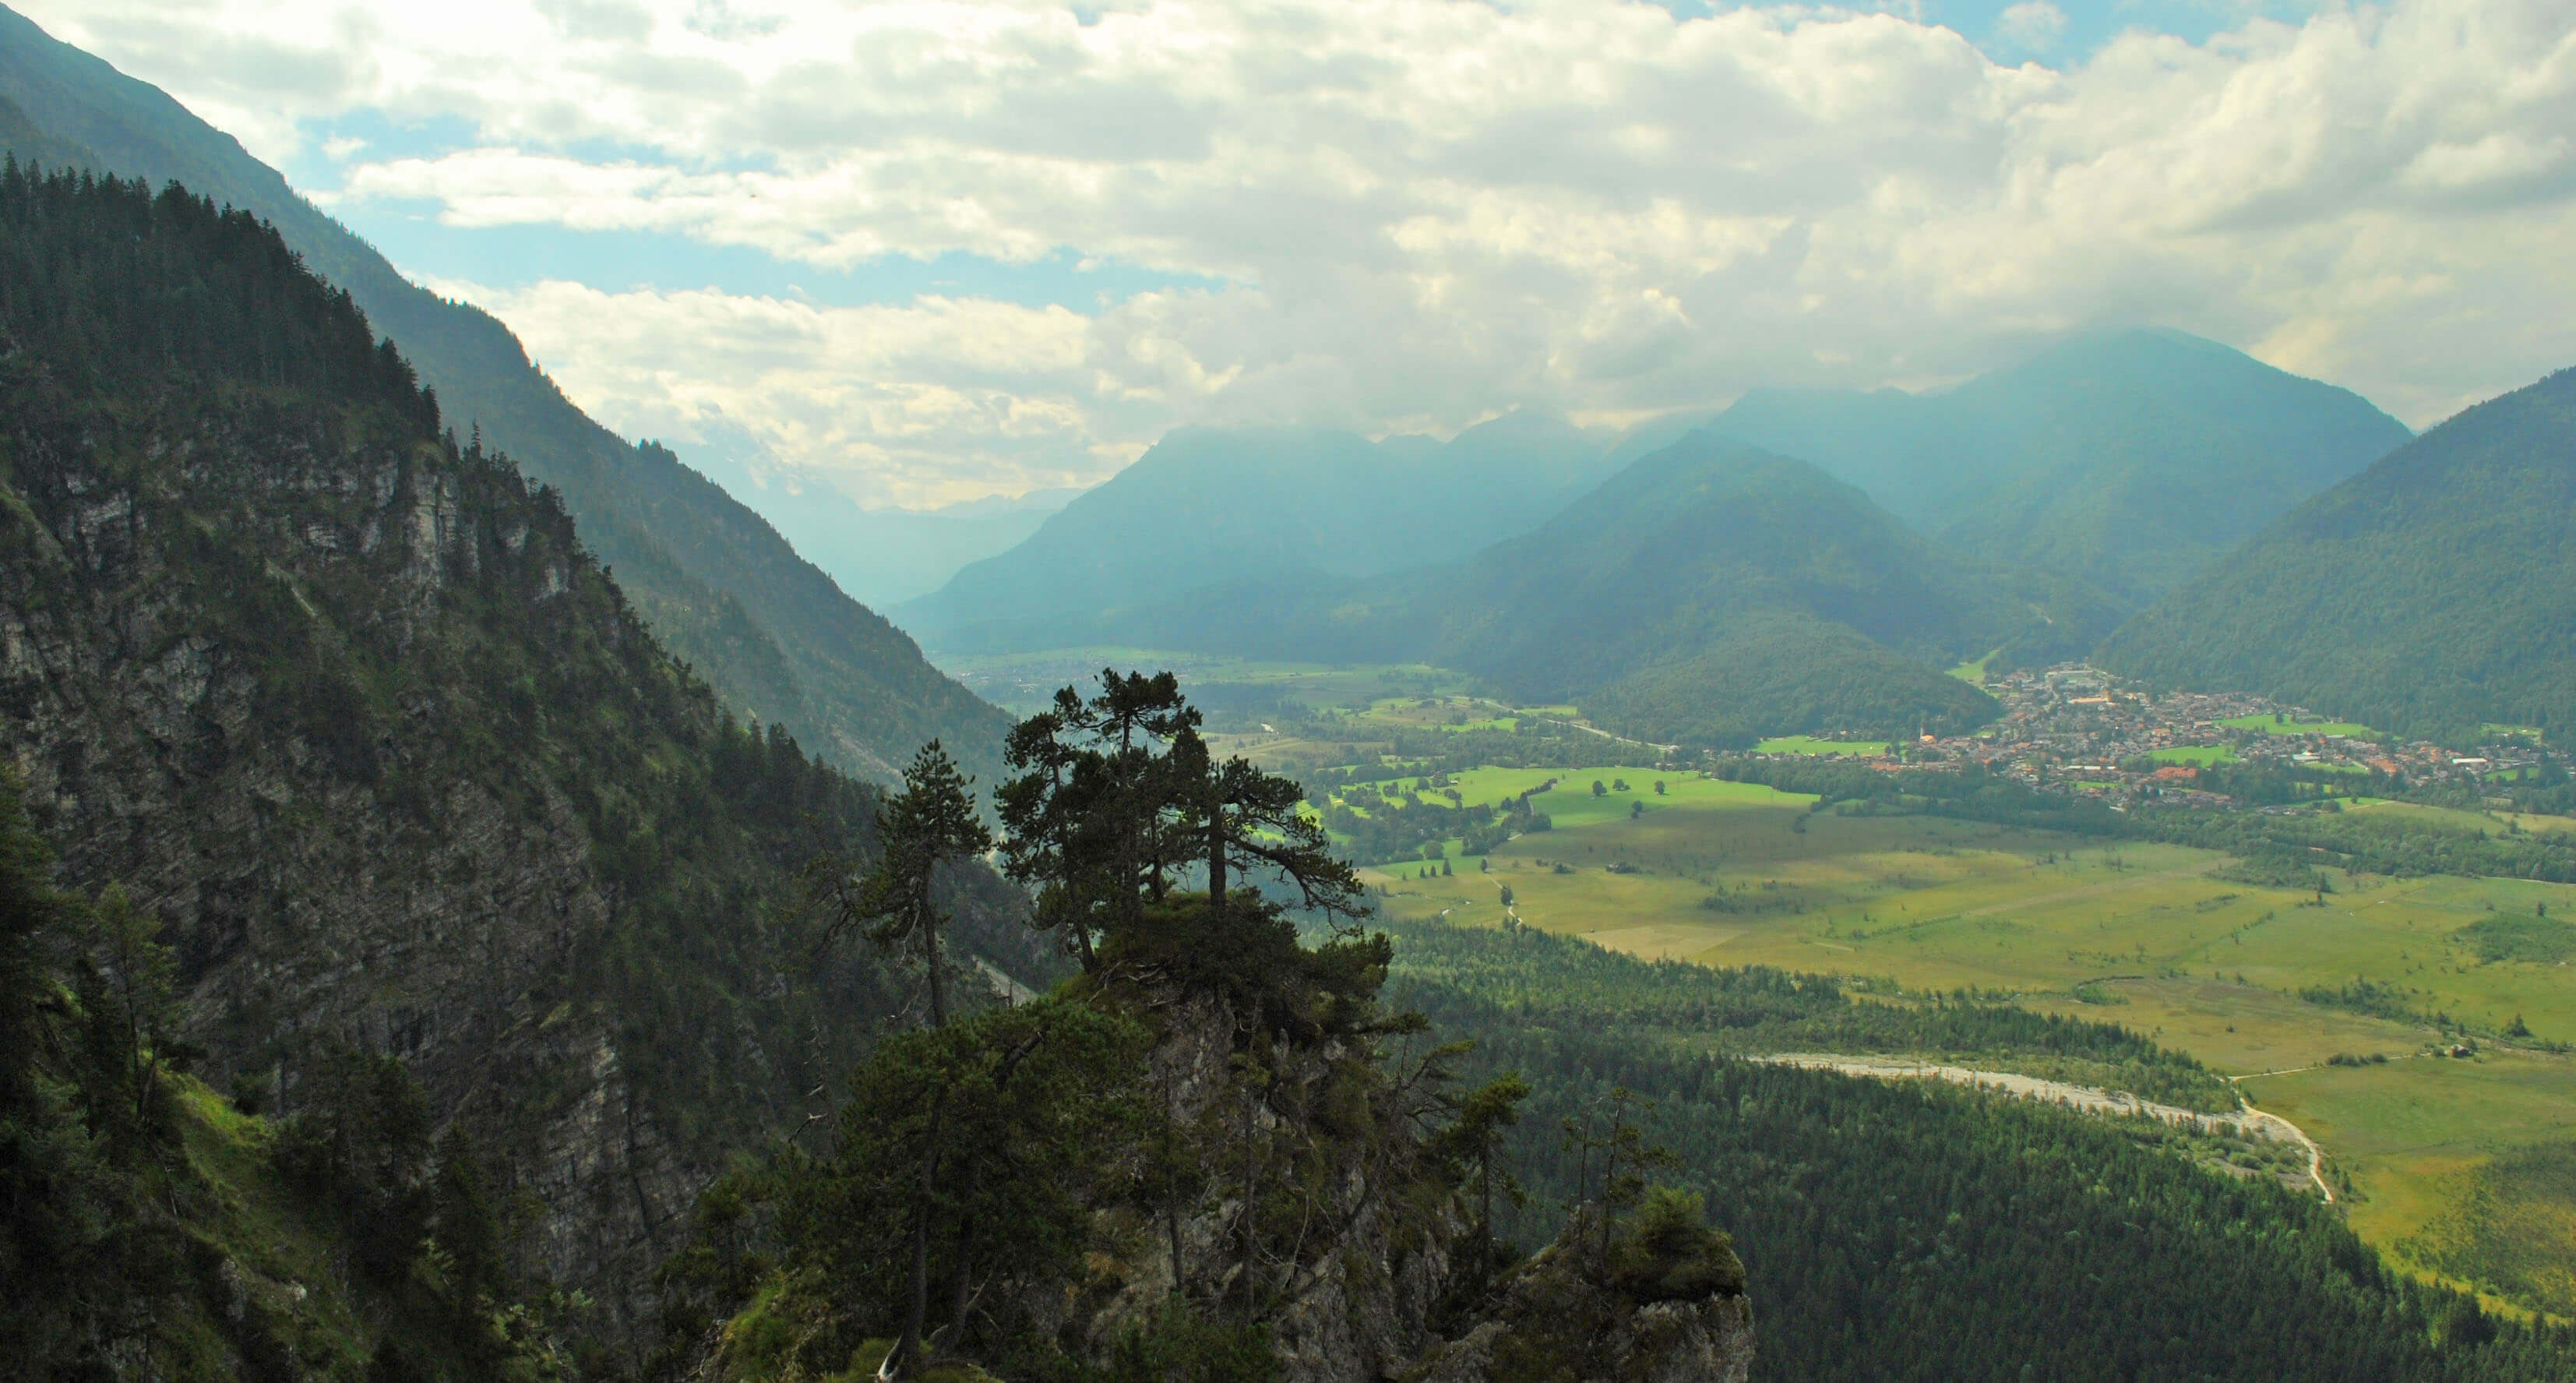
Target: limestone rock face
{"points": [[1352, 1294], [1556, 1318], [388, 755]]}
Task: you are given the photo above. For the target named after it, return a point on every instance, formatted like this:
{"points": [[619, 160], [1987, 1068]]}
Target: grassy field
{"points": [[2197, 755], [2143, 935], [1974, 674], [2270, 726], [1809, 744]]}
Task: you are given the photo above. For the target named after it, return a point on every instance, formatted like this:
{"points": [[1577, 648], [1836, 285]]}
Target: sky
{"points": [[930, 250]]}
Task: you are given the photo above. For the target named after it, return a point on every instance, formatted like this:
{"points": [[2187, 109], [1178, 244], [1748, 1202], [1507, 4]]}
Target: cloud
{"points": [[2032, 26], [1419, 212], [935, 400]]}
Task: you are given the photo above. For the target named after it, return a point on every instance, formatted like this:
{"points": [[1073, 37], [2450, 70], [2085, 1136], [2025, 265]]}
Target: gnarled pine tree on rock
{"points": [[1210, 1154]]}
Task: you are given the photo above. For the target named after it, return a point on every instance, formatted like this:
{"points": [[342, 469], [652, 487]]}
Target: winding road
{"points": [[2244, 1122]]}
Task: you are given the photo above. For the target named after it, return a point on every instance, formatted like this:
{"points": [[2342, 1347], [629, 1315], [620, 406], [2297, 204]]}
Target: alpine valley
{"points": [[2066, 875]]}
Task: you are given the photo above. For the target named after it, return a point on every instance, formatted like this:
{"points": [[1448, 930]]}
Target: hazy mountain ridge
{"points": [[1689, 554], [719, 584], [1212, 508], [1709, 592], [2428, 594], [2030, 510], [2129, 459]]}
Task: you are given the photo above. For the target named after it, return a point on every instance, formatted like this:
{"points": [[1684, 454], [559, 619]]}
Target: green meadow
{"points": [[1974, 673], [2196, 755], [2260, 983], [1809, 744], [2271, 725]]}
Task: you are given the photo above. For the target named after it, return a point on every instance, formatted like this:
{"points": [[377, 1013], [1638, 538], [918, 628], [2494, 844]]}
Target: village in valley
{"points": [[2074, 728]]}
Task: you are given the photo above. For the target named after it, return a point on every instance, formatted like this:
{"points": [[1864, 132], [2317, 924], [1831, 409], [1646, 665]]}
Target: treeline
{"points": [[1381, 753], [1399, 824], [1915, 1231], [2289, 846], [1570, 982], [115, 287]]}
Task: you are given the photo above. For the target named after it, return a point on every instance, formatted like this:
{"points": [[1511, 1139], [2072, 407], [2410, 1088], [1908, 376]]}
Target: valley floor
{"points": [[2338, 1011], [2455, 1167]]}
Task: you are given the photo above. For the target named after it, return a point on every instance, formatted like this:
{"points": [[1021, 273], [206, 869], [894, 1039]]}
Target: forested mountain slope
{"points": [[1708, 593], [2431, 594], [357, 718], [2128, 459], [712, 579], [1711, 588], [1210, 508]]}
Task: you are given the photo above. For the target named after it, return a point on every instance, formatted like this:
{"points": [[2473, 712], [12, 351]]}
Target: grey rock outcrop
{"points": [[1561, 1316], [1351, 1296], [386, 752]]}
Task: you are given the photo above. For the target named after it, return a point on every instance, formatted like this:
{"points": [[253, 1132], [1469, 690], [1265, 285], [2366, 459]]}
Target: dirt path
{"points": [[1589, 730], [2245, 1122]]}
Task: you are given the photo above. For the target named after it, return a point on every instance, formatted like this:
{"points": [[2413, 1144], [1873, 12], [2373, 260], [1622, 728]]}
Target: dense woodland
{"points": [[1921, 1232], [1571, 984]]}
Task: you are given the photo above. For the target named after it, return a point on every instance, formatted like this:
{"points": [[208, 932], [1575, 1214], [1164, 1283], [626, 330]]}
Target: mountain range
{"points": [[2127, 459], [2031, 508], [1707, 593], [1211, 507], [353, 714]]}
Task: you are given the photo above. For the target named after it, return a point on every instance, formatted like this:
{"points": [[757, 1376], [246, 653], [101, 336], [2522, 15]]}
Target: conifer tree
{"points": [[930, 824]]}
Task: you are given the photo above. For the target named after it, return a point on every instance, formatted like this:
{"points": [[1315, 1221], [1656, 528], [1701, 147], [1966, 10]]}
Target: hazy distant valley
{"points": [[2068, 874]]}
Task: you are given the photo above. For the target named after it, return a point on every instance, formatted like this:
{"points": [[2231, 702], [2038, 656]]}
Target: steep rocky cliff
{"points": [[716, 584], [1351, 1277], [354, 711], [1659, 1300]]}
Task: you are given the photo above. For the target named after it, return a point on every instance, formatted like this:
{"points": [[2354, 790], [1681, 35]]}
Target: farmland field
{"points": [[1808, 744], [2271, 726], [2458, 1168], [2196, 755], [2147, 936]]}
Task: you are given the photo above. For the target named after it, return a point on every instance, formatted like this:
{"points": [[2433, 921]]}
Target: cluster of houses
{"points": [[2075, 728]]}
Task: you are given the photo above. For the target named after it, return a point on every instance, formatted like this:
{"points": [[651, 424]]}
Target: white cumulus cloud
{"points": [[1418, 212]]}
